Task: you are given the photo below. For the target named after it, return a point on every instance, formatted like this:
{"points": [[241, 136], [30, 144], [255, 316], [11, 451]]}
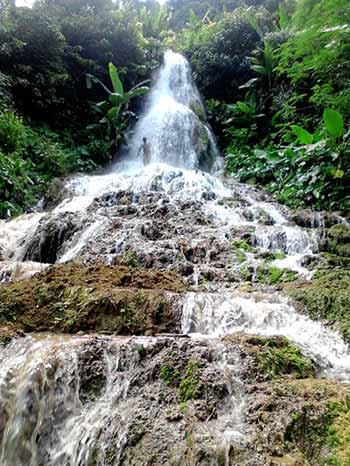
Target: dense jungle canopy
{"points": [[275, 77]]}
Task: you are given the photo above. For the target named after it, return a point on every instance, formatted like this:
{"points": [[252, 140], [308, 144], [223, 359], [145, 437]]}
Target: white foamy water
{"points": [[173, 119], [214, 315], [14, 233], [158, 177], [11, 271], [42, 406]]}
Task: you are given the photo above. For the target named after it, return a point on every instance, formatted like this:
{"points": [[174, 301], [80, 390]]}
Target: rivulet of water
{"points": [[215, 315], [45, 418]]}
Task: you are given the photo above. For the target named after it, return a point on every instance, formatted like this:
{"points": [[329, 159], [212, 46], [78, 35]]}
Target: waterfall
{"points": [[174, 122], [93, 400]]}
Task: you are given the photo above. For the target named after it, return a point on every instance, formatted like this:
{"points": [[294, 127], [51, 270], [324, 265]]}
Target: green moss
{"points": [[187, 378], [129, 259], [277, 255], [169, 375], [338, 240], [274, 275], [183, 406], [242, 245], [72, 297], [191, 386], [240, 256], [332, 260], [339, 431], [327, 297], [324, 440], [240, 249], [278, 356], [277, 275]]}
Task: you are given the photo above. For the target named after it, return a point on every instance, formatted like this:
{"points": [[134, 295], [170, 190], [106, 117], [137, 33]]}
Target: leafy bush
{"points": [[17, 187], [30, 159], [218, 51], [11, 131], [315, 56], [314, 169]]}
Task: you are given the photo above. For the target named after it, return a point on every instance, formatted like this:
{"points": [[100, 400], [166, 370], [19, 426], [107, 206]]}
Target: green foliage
{"points": [[315, 173], [169, 375], [191, 387], [295, 140], [30, 159], [218, 51], [275, 76], [277, 275], [302, 134], [187, 379], [11, 131], [316, 53], [116, 116], [274, 275], [46, 52], [334, 123]]}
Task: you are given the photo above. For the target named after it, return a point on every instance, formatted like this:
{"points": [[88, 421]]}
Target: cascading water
{"points": [[79, 401], [174, 121]]}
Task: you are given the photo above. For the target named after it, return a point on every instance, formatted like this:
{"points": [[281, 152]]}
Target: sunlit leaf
{"points": [[334, 122], [117, 84], [259, 69], [243, 107], [302, 134], [283, 19]]}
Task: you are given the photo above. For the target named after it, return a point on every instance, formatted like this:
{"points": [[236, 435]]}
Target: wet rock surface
{"points": [[170, 400], [50, 237], [146, 257]]}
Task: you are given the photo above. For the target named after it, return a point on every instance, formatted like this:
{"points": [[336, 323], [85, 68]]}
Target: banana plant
{"points": [[115, 108], [265, 64], [265, 61]]}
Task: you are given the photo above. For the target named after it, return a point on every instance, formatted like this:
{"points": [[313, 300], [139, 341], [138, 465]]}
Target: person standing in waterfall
{"points": [[146, 148]]}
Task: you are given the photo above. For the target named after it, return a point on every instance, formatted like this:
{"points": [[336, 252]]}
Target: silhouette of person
{"points": [[146, 148]]}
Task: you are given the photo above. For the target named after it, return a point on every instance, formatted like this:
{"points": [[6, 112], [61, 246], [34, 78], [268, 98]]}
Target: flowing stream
{"points": [[177, 213]]}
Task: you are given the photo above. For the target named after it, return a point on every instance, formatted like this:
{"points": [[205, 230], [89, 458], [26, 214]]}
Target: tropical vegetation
{"points": [[274, 74]]}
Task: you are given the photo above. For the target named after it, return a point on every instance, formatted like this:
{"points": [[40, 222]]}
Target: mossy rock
{"points": [[305, 422], [330, 261], [272, 275], [73, 297], [327, 297], [322, 434], [277, 356], [338, 240]]}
